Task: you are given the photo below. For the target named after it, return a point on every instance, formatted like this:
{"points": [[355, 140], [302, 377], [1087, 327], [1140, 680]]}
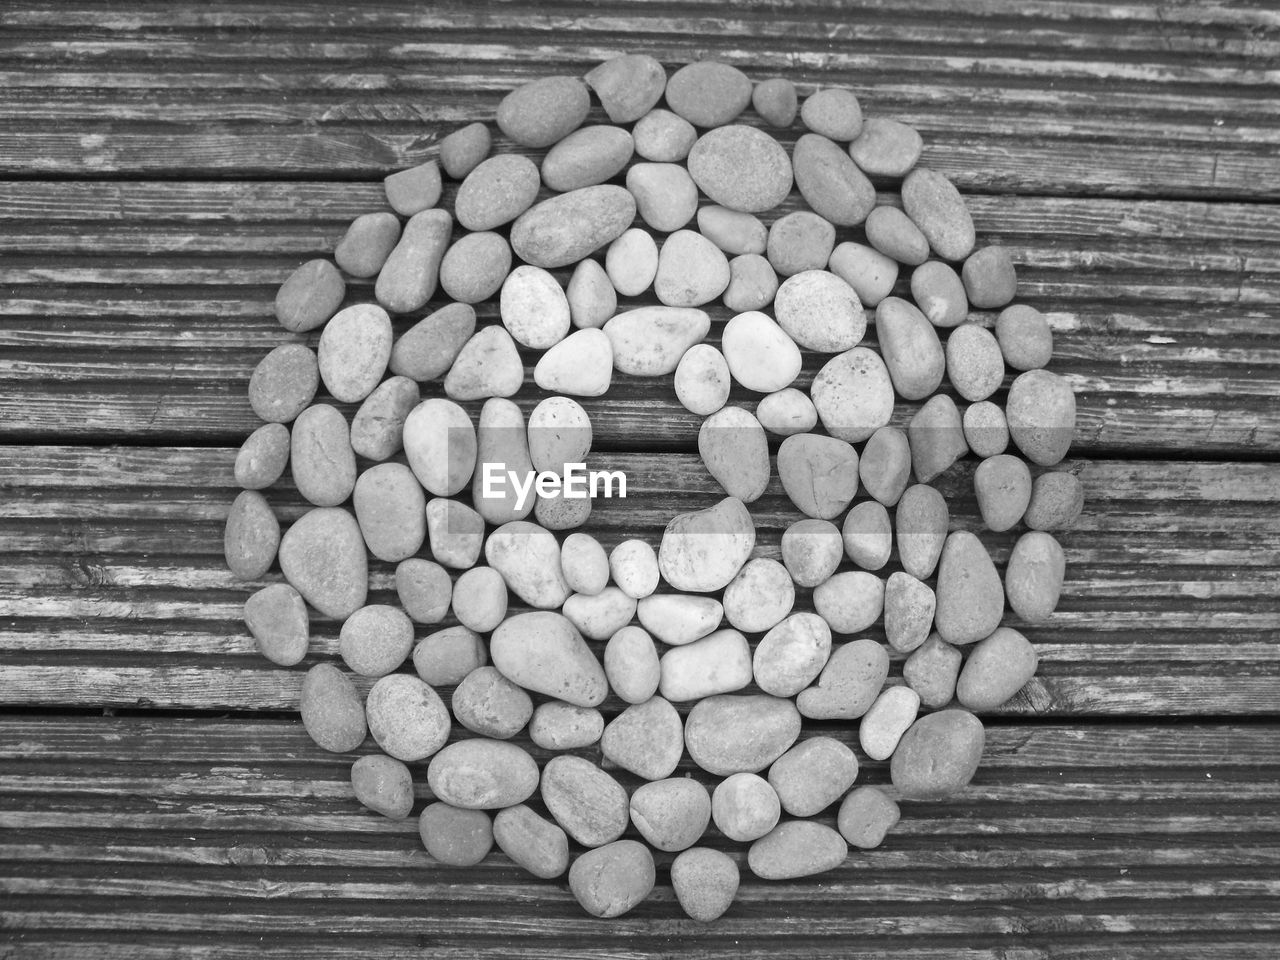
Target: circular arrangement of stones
{"points": [[699, 619]]}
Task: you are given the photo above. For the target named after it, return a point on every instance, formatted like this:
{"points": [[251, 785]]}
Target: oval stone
{"points": [[543, 111], [332, 711], [868, 535], [886, 148], [600, 616], [408, 279], [760, 355], [691, 270], [1002, 485], [853, 394], [888, 719], [970, 594], [812, 775], [850, 601], [1033, 577], [938, 756], [586, 157], [309, 296], [1056, 500], [544, 652], [482, 774], [717, 663], [666, 196], [631, 664], [496, 192], [414, 190], [908, 611], [830, 182], [921, 522], [262, 457], [284, 382], [368, 242], [441, 446], [459, 838], [632, 262], [974, 362], [383, 785], [938, 291], [985, 429], [375, 640], [562, 726], [752, 283], [589, 803], [708, 93], [910, 348], [820, 312], [702, 379], [792, 654], [819, 474], [463, 149], [611, 880], [740, 734], [735, 451], [323, 556], [424, 590], [848, 684], [445, 657], [671, 814], [277, 618], [646, 739], [1041, 409], [428, 349], [703, 550], [501, 440], [776, 102], [677, 618], [391, 510], [353, 352], [936, 207], [732, 231], [996, 670], [744, 807], [534, 308], [480, 599], [565, 228], [797, 848], [251, 538], [989, 277], [891, 231], [788, 412], [885, 465], [580, 365], [1025, 337], [455, 533], [741, 168], [320, 456], [663, 137], [487, 703], [811, 551], [634, 567], [936, 435], [869, 272], [759, 596], [377, 430], [531, 841], [834, 113], [407, 718], [473, 268], [528, 557]]}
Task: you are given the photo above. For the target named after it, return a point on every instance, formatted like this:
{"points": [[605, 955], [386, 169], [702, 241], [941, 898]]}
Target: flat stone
{"points": [[310, 296], [938, 291], [1025, 337], [888, 719], [703, 550], [441, 446], [936, 207], [891, 231], [691, 270], [677, 619], [740, 733], [462, 150], [377, 430], [1041, 408], [705, 881], [811, 551], [601, 615], [850, 601], [487, 703], [787, 412], [708, 93], [320, 456], [649, 341], [834, 113], [482, 774], [760, 354], [921, 521], [480, 599], [975, 365], [528, 557], [424, 590], [735, 451], [752, 283], [414, 190], [408, 279], [989, 277], [796, 848], [702, 379], [502, 439], [1056, 501], [932, 670]]}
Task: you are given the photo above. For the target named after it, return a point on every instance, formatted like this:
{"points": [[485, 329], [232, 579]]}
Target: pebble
{"points": [[936, 207], [734, 232], [936, 436], [632, 262], [1025, 337], [375, 640], [559, 434], [567, 227], [332, 711], [646, 739], [834, 113], [868, 535], [649, 341], [886, 148], [408, 279], [970, 595], [703, 550], [584, 564], [480, 599], [865, 816], [868, 271], [383, 785], [985, 429], [812, 775], [691, 270], [589, 803], [441, 446], [885, 465], [414, 190], [888, 719], [562, 726], [796, 848], [677, 618], [891, 231], [628, 86], [735, 451], [251, 538], [277, 618], [533, 308], [475, 266], [908, 611], [938, 291], [717, 663], [580, 365], [423, 589], [531, 841], [377, 430], [501, 438], [262, 457], [663, 137], [612, 880], [819, 474], [910, 348], [544, 652], [759, 597], [740, 734], [760, 355], [848, 684], [592, 299], [671, 814], [482, 774], [800, 241], [455, 533], [811, 551], [496, 192], [368, 242], [320, 456], [1002, 485], [586, 157], [666, 196], [487, 703], [599, 617], [309, 296], [996, 670], [752, 283], [850, 601], [853, 394], [745, 807], [1056, 501], [631, 664], [462, 150], [284, 383], [560, 513], [741, 168], [705, 881], [391, 510], [407, 719], [921, 521], [787, 412], [323, 556], [820, 312], [776, 102], [456, 837], [543, 111], [708, 93], [831, 183], [792, 654], [1041, 409], [444, 658], [634, 568], [702, 379], [989, 277], [429, 348], [974, 362], [938, 756], [1033, 577], [932, 670]]}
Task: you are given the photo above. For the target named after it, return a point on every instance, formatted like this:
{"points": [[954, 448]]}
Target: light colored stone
{"points": [[277, 618], [377, 431], [671, 814], [502, 440], [480, 599], [559, 435], [332, 712], [868, 271], [487, 703], [1041, 409], [717, 663], [666, 196], [1033, 577], [562, 726], [974, 362], [323, 556], [543, 111], [970, 594], [910, 348], [428, 349], [496, 191], [811, 551], [445, 657], [580, 365], [456, 837], [631, 664], [921, 523], [628, 86], [735, 451], [702, 379], [455, 533], [820, 311], [677, 618], [797, 848], [819, 474], [932, 670], [320, 456], [592, 299], [741, 168], [1025, 337], [787, 412], [936, 435], [531, 841], [704, 549], [569, 226], [482, 774], [584, 563], [408, 279], [705, 881], [866, 815], [792, 654], [612, 880], [488, 365], [544, 652], [646, 739], [886, 148], [868, 535], [939, 293], [888, 719], [848, 684], [938, 756], [424, 590], [649, 341], [761, 356], [813, 775], [440, 445], [853, 395], [740, 733], [691, 270], [744, 807], [663, 137], [408, 719], [391, 510], [908, 611], [589, 803], [632, 262], [375, 640], [831, 183], [586, 157], [600, 616]]}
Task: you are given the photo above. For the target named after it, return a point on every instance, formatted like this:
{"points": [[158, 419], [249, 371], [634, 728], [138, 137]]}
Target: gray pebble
{"points": [[456, 837], [383, 785], [277, 618], [445, 657], [462, 150], [375, 640], [932, 670], [589, 803], [531, 841], [487, 703], [812, 775], [251, 538], [332, 712], [284, 383], [407, 718]]}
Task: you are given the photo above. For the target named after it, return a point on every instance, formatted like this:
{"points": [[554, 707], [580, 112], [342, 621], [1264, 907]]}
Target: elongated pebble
{"points": [[797, 848], [309, 296], [496, 191], [885, 465], [631, 664], [588, 802], [534, 308], [717, 663], [649, 341], [1002, 486], [502, 440], [262, 457], [732, 231], [332, 711], [284, 383], [543, 111], [848, 684], [414, 190], [975, 364], [384, 785], [908, 611], [377, 430], [921, 525], [427, 349], [892, 232], [936, 436], [632, 262], [938, 291], [445, 657], [368, 242], [408, 278], [320, 456], [787, 412], [999, 666], [528, 557], [985, 429], [600, 616], [702, 380], [1033, 577], [812, 775], [708, 93], [545, 653], [830, 182], [888, 719], [666, 197], [735, 450], [910, 348], [391, 510], [557, 725], [482, 774], [679, 618], [565, 228], [868, 535], [1041, 409], [792, 654], [989, 277], [970, 593], [586, 157], [868, 271], [592, 298], [464, 149], [441, 446], [532, 842], [633, 564], [1025, 337], [936, 207], [354, 349]]}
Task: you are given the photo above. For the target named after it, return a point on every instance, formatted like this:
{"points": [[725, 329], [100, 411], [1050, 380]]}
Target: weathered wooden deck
{"points": [[164, 166]]}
